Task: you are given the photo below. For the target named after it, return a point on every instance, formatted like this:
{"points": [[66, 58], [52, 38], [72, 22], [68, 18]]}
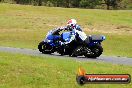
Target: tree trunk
{"points": [[108, 6], [40, 3], [67, 3], [17, 1], [107, 2]]}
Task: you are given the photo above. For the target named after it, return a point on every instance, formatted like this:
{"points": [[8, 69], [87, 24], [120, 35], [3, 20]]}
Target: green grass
{"points": [[119, 45], [22, 71], [25, 26]]}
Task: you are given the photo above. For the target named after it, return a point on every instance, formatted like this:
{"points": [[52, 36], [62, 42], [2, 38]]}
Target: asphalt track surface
{"points": [[106, 59]]}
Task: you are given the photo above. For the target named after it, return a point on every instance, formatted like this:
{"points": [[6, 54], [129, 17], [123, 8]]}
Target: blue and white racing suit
{"points": [[75, 31]]}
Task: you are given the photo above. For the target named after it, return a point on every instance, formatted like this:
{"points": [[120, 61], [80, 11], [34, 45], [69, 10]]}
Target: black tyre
{"points": [[43, 48], [95, 51], [61, 52]]}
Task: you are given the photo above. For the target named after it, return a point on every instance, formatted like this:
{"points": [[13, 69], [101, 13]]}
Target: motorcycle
{"points": [[90, 47]]}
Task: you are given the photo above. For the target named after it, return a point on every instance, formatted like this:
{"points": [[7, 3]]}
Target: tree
{"points": [[89, 3], [112, 3], [17, 1], [39, 2], [67, 3], [75, 3]]}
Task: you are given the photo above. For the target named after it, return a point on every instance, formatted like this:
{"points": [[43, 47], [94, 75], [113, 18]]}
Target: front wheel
{"points": [[94, 51], [44, 48]]}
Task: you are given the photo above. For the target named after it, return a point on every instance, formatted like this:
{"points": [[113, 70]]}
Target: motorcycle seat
{"points": [[97, 37]]}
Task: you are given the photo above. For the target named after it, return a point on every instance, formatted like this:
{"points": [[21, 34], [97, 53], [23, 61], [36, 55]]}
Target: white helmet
{"points": [[71, 22]]}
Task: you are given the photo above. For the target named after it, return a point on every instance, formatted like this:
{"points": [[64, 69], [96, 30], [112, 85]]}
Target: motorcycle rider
{"points": [[75, 31], [72, 24]]}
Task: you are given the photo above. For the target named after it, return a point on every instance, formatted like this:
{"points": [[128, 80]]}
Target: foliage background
{"points": [[93, 4]]}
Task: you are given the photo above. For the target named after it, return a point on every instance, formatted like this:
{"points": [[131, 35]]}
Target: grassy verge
{"points": [[25, 26], [22, 71]]}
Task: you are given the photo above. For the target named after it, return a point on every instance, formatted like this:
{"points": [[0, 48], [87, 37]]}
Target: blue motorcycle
{"points": [[90, 48]]}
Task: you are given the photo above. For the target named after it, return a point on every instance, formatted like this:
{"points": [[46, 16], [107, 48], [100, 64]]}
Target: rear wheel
{"points": [[44, 48], [94, 51]]}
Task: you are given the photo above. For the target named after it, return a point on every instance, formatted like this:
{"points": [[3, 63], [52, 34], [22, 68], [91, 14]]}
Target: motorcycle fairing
{"points": [[66, 36]]}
